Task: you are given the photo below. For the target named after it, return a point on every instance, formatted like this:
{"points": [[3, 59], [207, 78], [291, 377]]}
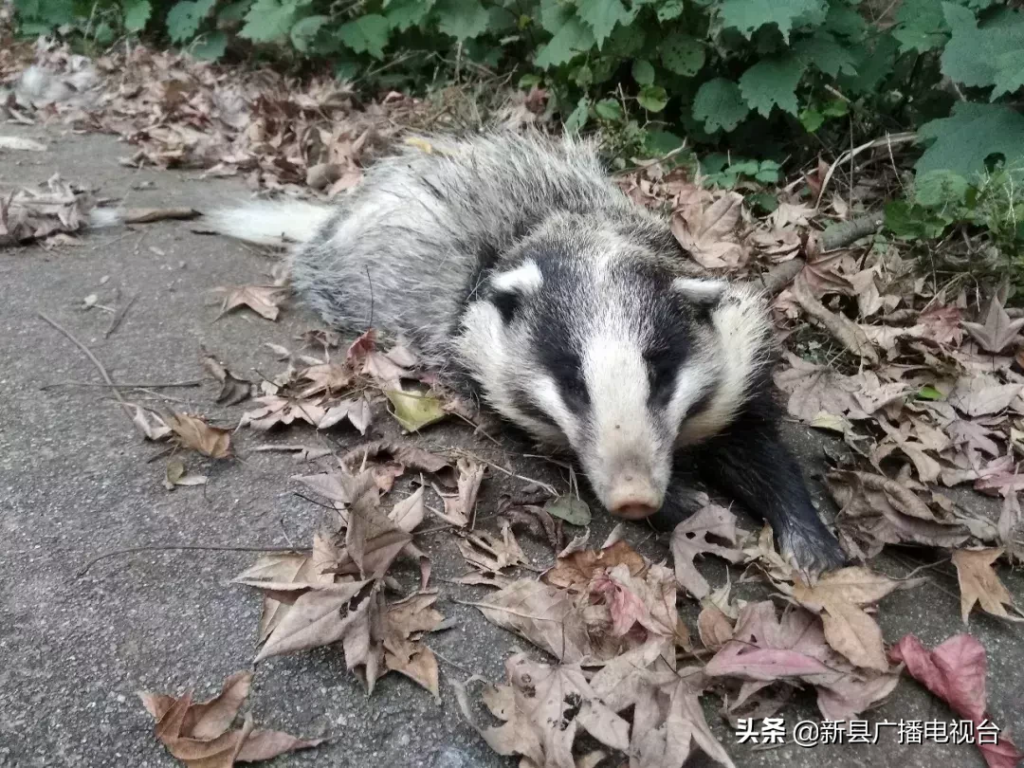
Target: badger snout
{"points": [[634, 496]]}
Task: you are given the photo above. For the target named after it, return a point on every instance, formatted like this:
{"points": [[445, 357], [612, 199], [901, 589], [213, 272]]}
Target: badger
{"points": [[513, 263]]}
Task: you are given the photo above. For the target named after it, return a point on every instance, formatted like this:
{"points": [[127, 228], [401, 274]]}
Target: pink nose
{"points": [[633, 498], [633, 510]]}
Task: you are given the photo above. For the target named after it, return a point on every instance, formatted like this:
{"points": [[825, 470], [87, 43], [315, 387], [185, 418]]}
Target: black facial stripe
{"points": [[506, 302], [528, 408], [703, 402]]}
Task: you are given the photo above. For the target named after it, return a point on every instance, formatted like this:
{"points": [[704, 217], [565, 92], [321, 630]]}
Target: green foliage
{"points": [[990, 202], [759, 78]]}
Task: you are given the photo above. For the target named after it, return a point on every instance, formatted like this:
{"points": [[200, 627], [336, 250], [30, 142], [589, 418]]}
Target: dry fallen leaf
{"points": [[459, 508], [489, 553], [955, 672], [575, 570], [233, 390], [176, 475], [980, 584], [690, 538], [544, 711], [193, 432], [998, 331], [197, 734], [261, 299]]}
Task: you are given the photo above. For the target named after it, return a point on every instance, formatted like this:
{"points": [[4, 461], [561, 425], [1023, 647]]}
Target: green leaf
{"points": [[211, 47], [920, 26], [305, 30], [764, 201], [572, 38], [928, 392], [569, 508], [873, 65], [461, 19], [682, 54], [578, 117], [234, 11], [748, 16], [936, 189], [661, 143], [653, 98], [719, 104], [365, 34], [913, 222], [602, 16], [583, 76], [826, 53], [404, 14], [528, 81], [845, 21], [971, 55], [772, 82], [414, 410], [643, 72], [136, 15], [185, 17], [609, 109], [1009, 73], [963, 141], [670, 9], [811, 119]]}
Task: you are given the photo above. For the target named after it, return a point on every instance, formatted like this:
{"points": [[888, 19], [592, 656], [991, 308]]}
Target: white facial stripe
{"points": [[547, 397], [694, 381], [741, 327], [700, 291], [525, 279]]}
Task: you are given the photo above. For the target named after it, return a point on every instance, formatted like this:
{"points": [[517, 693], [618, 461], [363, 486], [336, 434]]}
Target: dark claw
{"points": [[811, 548]]}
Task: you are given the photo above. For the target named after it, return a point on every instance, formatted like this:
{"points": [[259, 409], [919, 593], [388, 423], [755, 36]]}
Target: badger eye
{"points": [[568, 372], [507, 303], [661, 368]]}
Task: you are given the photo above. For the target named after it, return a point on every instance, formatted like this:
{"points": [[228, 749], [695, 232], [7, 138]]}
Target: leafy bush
{"points": [[762, 78]]}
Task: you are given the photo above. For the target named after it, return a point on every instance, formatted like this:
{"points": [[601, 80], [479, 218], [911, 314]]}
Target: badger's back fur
{"points": [[514, 261]]}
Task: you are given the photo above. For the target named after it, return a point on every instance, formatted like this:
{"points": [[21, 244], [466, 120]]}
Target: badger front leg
{"points": [[750, 463]]}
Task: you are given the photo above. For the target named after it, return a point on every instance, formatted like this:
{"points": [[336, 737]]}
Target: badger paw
{"points": [[812, 549]]}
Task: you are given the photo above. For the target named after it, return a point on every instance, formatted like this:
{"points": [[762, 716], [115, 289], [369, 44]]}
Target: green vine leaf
{"points": [[268, 20], [305, 30], [573, 37], [920, 26], [366, 34], [462, 19], [772, 82], [653, 98], [602, 16], [136, 15], [748, 16], [643, 72], [404, 14], [824, 52], [972, 55], [719, 104], [682, 54], [965, 140], [185, 17]]}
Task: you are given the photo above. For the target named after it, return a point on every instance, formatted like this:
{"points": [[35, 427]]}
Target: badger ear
{"points": [[704, 292], [509, 287]]}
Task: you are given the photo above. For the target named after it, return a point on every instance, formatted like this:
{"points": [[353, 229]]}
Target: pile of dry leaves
{"points": [[925, 390]]}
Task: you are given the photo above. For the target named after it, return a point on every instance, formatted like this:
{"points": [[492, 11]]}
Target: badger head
{"points": [[587, 340]]}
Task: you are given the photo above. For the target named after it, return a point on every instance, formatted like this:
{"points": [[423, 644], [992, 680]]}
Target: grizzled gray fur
{"points": [[513, 262]]}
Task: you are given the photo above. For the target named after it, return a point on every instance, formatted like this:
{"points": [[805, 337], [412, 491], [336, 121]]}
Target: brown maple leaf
{"points": [[193, 432], [489, 553], [404, 622], [264, 300], [979, 583], [576, 569], [233, 390], [544, 709], [690, 538], [998, 331], [197, 734], [838, 598]]}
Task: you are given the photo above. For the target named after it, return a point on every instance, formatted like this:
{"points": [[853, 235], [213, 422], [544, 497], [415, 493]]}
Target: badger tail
{"points": [[260, 222], [274, 223]]}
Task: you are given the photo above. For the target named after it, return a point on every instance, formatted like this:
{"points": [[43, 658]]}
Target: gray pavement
{"points": [[76, 480]]}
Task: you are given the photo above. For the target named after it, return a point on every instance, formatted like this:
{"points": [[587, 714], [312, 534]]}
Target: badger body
{"points": [[512, 262]]}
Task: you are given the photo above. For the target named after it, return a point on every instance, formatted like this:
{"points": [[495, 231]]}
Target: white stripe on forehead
{"points": [[525, 279]]}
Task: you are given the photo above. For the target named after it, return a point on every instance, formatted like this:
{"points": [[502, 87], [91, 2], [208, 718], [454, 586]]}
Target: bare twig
{"points": [[144, 385], [888, 141], [95, 361], [182, 548], [116, 320]]}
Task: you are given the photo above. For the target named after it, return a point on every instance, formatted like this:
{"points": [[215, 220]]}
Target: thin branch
{"points": [[95, 361], [143, 385], [182, 548]]}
